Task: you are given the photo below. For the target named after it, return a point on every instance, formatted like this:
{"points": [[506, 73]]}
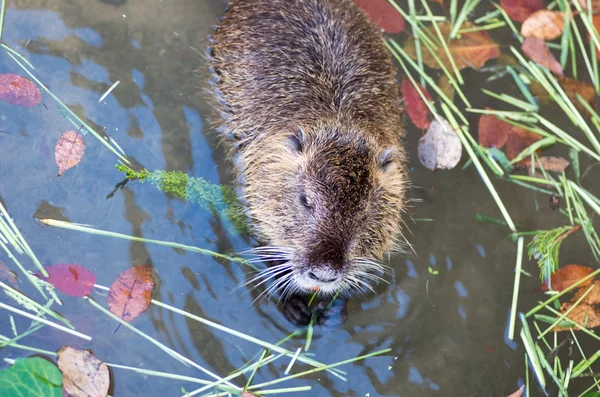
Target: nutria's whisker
{"points": [[270, 273]]}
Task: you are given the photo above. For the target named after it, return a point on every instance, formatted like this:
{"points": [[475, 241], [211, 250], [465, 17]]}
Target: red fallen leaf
{"points": [[519, 392], [130, 294], [493, 132], [69, 151], [19, 91], [544, 24], [548, 163], [519, 10], [471, 49], [83, 374], [383, 15], [72, 280], [415, 106], [518, 140], [7, 275], [567, 276], [537, 50]]}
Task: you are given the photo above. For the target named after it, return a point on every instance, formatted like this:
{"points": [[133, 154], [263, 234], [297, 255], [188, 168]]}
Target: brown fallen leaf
{"points": [[567, 276], [592, 298], [440, 147], [544, 24], [519, 392], [8, 275], [83, 374], [471, 49], [19, 91], [446, 87], [493, 132], [548, 163], [130, 294], [537, 50], [554, 202], [518, 140], [519, 10], [595, 5], [69, 151], [596, 23], [417, 109], [584, 315]]}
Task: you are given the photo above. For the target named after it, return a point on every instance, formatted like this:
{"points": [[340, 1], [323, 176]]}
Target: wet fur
{"points": [[308, 103]]}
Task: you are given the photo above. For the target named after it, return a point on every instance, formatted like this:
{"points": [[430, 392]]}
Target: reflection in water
{"points": [[438, 326]]}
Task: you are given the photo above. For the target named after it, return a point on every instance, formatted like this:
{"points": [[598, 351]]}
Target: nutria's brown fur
{"points": [[309, 102]]}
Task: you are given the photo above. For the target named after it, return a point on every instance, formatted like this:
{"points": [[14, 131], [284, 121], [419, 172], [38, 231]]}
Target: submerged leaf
{"points": [[548, 163], [383, 15], [544, 24], [415, 106], [520, 10], [72, 280], [19, 91], [518, 140], [471, 49], [493, 132], [567, 276], [572, 88], [130, 294], [69, 151], [8, 275], [595, 5], [596, 23], [537, 50], [31, 377], [83, 374], [440, 147]]}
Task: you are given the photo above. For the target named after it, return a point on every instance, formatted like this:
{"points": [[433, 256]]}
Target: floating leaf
{"points": [[440, 147], [131, 293], [493, 132], [520, 10], [584, 314], [548, 163], [31, 377], [471, 49], [69, 151], [19, 91], [8, 275], [383, 15], [519, 392], [83, 374], [518, 140], [537, 50], [567, 276], [415, 106], [72, 280], [544, 24]]}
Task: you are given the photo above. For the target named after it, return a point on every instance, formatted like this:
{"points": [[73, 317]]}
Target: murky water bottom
{"points": [[447, 331]]}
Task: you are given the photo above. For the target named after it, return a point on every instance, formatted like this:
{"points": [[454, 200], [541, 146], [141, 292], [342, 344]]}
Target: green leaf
{"points": [[31, 377]]}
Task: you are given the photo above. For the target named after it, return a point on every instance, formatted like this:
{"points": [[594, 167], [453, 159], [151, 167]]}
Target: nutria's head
{"points": [[327, 200]]}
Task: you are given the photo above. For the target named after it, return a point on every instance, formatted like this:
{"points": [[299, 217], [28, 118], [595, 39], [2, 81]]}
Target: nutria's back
{"points": [[309, 101]]}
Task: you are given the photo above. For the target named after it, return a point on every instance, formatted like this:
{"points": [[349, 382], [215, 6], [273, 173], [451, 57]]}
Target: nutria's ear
{"points": [[388, 157], [297, 140]]}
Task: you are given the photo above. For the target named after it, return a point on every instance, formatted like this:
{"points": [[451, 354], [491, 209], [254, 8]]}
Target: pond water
{"points": [[447, 332]]}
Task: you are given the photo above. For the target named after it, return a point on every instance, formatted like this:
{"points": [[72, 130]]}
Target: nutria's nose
{"points": [[323, 276]]}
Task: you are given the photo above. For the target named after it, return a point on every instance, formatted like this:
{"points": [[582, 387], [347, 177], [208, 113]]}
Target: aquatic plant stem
{"points": [[517, 283], [44, 321], [82, 228]]}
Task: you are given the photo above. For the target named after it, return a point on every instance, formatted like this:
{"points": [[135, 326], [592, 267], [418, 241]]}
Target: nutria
{"points": [[309, 104]]}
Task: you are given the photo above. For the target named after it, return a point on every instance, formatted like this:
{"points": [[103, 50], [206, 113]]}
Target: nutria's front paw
{"points": [[297, 311]]}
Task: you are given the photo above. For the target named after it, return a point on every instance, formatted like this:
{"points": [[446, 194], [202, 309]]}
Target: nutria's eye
{"points": [[387, 158], [304, 201], [297, 141]]}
